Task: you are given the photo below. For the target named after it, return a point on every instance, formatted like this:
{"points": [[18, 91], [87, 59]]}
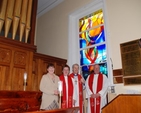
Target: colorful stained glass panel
{"points": [[92, 43], [91, 20], [92, 37], [93, 55], [91, 29]]}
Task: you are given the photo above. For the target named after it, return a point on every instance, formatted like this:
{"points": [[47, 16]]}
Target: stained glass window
{"points": [[91, 29], [92, 43], [93, 55], [89, 38]]}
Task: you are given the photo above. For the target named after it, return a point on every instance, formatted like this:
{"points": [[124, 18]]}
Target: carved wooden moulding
{"points": [[20, 58], [5, 55]]}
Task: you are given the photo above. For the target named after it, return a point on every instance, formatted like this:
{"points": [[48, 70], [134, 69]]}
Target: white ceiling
{"points": [[46, 5]]}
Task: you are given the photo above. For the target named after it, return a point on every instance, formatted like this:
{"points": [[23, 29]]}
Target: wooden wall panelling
{"points": [[22, 63], [29, 68], [5, 61], [117, 76], [15, 59], [34, 84], [5, 78], [17, 78], [20, 58], [36, 73], [40, 66], [58, 68], [45, 64]]}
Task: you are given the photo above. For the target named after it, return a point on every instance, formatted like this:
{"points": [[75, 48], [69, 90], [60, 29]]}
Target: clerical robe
{"points": [[67, 97], [96, 83], [78, 87]]}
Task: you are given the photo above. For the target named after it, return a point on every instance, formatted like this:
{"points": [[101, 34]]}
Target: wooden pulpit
{"points": [[124, 103]]}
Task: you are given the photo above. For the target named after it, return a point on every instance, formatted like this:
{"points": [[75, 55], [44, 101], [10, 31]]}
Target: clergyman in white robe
{"points": [[102, 92]]}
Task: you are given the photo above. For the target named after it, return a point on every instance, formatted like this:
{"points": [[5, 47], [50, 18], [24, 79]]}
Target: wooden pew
{"points": [[124, 103], [68, 110], [19, 101]]}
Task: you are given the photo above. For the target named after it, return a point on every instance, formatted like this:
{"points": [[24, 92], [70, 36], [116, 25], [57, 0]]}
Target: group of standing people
{"points": [[96, 88]]}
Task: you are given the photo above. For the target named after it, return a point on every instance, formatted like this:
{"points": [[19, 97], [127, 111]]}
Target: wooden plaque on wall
{"points": [[131, 62]]}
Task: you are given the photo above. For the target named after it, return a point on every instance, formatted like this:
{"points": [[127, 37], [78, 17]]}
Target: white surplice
{"points": [[66, 81], [76, 91], [76, 88], [102, 93]]}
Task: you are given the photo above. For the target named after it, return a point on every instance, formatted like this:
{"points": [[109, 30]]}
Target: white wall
{"points": [[124, 25], [52, 30], [123, 21]]}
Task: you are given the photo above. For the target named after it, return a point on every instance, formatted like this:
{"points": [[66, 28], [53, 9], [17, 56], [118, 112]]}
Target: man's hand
{"points": [[82, 80], [95, 95]]}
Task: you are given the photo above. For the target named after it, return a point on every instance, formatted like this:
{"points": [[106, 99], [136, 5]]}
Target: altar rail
{"points": [[124, 103]]}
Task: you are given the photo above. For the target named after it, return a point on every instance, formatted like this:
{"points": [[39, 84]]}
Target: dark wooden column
{"points": [[33, 22]]}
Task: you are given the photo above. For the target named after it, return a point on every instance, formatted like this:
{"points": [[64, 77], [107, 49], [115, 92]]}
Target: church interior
{"points": [[34, 34]]}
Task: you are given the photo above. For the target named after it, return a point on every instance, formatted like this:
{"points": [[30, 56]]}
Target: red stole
{"points": [[80, 90], [67, 103], [99, 87]]}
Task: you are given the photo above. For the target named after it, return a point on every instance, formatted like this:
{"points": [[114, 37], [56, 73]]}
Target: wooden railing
{"points": [[124, 103]]}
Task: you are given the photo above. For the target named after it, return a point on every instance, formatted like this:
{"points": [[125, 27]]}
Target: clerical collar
{"points": [[96, 74], [75, 74]]}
